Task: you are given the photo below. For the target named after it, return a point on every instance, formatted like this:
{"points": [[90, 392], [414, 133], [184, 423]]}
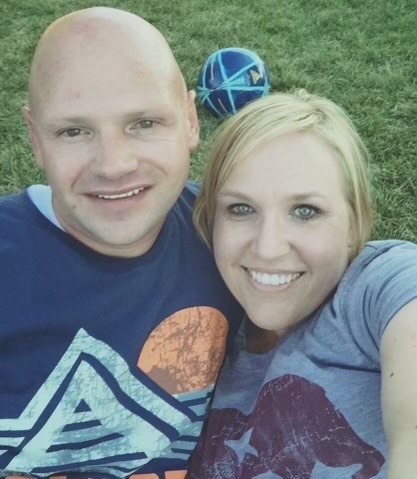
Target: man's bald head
{"points": [[98, 35]]}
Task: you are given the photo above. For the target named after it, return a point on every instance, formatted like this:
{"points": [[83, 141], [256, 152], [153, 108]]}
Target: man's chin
{"points": [[119, 242]]}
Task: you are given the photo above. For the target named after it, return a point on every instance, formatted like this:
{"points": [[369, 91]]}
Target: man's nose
{"points": [[113, 156]]}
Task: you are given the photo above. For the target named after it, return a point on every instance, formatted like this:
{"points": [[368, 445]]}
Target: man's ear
{"points": [[194, 125], [33, 135]]}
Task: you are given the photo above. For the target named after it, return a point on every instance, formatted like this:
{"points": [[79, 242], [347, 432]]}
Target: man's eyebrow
{"points": [[133, 114], [51, 122]]}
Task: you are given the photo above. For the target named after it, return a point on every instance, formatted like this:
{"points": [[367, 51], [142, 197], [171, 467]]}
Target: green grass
{"points": [[360, 53]]}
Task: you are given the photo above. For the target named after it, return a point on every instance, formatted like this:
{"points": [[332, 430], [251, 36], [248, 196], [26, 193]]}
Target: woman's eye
{"points": [[306, 212], [240, 209]]}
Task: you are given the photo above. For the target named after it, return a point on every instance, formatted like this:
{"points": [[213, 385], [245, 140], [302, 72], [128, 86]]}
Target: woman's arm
{"points": [[399, 392]]}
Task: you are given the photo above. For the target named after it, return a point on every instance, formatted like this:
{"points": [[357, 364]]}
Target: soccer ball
{"points": [[231, 78]]}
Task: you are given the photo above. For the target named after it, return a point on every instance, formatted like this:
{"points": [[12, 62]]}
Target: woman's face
{"points": [[282, 230]]}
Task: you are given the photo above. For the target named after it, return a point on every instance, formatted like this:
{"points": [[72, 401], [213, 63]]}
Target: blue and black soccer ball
{"points": [[231, 78]]}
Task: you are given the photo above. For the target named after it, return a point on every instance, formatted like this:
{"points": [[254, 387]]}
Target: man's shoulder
{"points": [[12, 206], [15, 227], [190, 191], [185, 203], [13, 197], [19, 219]]}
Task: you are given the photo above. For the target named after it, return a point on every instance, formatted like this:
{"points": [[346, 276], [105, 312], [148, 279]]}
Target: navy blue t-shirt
{"points": [[107, 364]]}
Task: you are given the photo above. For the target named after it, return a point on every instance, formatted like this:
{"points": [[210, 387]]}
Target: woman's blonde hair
{"points": [[277, 114]]}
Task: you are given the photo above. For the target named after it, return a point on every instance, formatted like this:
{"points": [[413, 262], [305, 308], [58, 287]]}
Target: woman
{"points": [[322, 380]]}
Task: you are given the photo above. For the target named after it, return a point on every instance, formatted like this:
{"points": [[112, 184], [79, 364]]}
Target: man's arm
{"points": [[399, 392]]}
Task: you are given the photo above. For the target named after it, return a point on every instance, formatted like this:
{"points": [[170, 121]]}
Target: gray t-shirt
{"points": [[310, 408]]}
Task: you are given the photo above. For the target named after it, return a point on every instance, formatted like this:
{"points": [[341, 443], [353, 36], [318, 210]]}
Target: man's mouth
{"points": [[121, 196]]}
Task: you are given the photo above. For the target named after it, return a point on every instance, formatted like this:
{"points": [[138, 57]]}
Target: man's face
{"points": [[113, 136]]}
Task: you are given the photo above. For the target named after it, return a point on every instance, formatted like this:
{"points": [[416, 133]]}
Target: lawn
{"points": [[360, 53]]}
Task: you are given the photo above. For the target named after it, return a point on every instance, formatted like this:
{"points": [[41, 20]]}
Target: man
{"points": [[113, 315]]}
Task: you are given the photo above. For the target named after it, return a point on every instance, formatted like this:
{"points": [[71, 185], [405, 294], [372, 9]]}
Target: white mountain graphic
{"points": [[68, 425]]}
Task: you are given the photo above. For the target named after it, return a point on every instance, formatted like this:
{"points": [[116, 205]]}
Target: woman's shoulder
{"points": [[378, 283], [382, 255]]}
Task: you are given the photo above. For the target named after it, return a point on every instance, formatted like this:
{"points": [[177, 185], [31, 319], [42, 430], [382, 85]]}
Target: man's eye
{"points": [[306, 212], [240, 209], [145, 124], [72, 132]]}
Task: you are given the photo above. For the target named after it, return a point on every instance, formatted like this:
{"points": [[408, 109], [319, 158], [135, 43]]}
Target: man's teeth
{"points": [[122, 195], [273, 279]]}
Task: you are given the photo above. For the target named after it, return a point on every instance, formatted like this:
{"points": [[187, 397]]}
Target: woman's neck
{"points": [[260, 341]]}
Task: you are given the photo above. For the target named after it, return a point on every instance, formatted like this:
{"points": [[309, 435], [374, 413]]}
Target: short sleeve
{"points": [[381, 281]]}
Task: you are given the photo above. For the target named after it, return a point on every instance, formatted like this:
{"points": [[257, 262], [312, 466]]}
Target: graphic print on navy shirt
{"points": [[303, 435], [96, 414]]}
